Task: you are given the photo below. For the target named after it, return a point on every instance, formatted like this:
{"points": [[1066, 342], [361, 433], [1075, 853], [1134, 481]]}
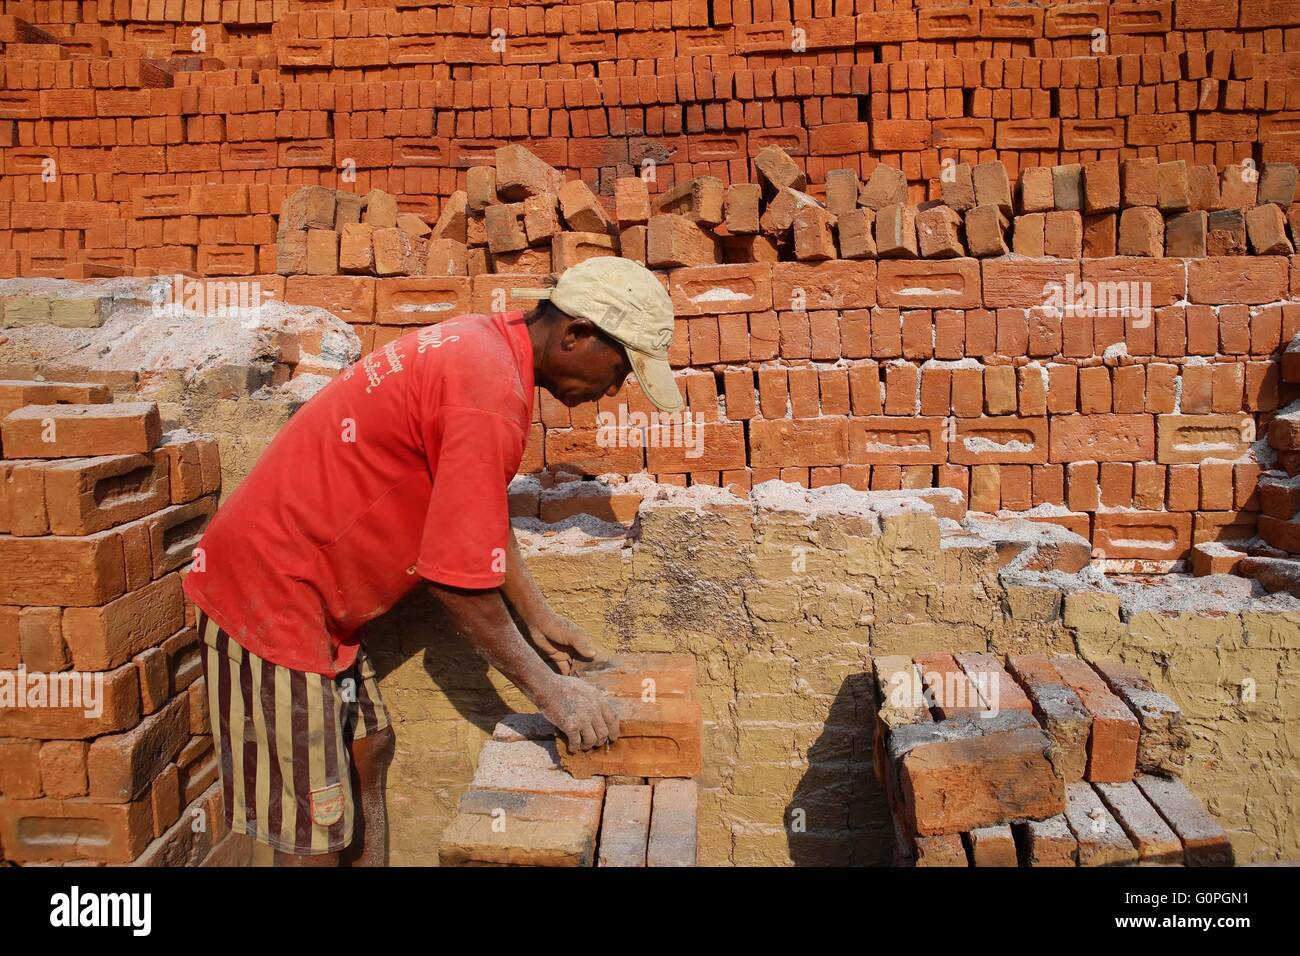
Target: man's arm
{"points": [[554, 635], [576, 708]]}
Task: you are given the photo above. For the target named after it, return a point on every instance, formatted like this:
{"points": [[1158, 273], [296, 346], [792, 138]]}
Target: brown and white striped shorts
{"points": [[282, 739]]}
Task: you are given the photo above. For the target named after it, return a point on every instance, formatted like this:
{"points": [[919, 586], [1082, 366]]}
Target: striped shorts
{"points": [[282, 743]]}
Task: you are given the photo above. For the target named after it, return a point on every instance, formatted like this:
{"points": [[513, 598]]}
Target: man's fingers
{"points": [[578, 641], [542, 642], [588, 647], [603, 722], [610, 718], [601, 728], [580, 737], [558, 658]]}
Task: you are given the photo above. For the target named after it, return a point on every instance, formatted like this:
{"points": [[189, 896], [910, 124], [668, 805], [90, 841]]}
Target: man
{"points": [[396, 475]]}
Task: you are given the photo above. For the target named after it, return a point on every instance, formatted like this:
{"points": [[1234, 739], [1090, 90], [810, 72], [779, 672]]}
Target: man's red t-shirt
{"points": [[396, 471]]}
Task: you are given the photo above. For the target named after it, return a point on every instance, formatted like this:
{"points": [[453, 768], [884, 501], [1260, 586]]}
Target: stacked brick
{"points": [[1273, 558], [893, 373], [631, 803], [105, 755], [857, 207], [107, 98], [1035, 760]]}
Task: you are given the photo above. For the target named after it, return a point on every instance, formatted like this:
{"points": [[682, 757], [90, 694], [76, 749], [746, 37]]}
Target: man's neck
{"points": [[539, 330]]}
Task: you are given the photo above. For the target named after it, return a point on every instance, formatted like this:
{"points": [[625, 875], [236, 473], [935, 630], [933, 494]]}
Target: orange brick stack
{"points": [[630, 803], [105, 101], [1035, 761], [105, 755], [835, 326], [1273, 558]]}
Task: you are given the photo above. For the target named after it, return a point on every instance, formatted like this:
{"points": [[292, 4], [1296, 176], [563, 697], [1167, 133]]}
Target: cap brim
{"points": [[655, 376]]}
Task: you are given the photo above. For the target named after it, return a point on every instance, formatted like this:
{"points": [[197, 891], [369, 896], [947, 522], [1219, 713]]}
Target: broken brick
{"points": [[699, 200], [1047, 842], [1060, 711], [964, 773], [580, 207], [938, 233], [992, 846], [778, 170]]}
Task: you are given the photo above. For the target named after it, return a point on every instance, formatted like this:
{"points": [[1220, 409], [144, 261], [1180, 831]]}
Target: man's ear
{"points": [[576, 332]]}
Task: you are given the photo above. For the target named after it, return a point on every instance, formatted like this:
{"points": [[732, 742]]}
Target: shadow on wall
{"points": [[444, 702], [419, 625], [839, 815]]}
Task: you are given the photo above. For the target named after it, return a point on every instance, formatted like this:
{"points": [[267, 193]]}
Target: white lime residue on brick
{"points": [[720, 294], [978, 443], [889, 447], [953, 363], [427, 307]]}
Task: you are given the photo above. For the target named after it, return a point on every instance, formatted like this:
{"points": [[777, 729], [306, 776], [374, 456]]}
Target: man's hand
{"points": [[560, 640], [580, 712]]}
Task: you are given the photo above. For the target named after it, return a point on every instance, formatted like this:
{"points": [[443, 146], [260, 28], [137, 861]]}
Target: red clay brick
{"points": [[1113, 741], [77, 431], [997, 770], [660, 739]]}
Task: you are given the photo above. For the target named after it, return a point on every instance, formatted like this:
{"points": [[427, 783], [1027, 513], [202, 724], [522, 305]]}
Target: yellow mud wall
{"points": [[783, 610]]}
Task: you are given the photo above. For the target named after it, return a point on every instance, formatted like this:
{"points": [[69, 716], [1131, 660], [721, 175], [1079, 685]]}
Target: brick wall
{"points": [[276, 92], [881, 343], [1102, 422], [783, 602], [105, 750]]}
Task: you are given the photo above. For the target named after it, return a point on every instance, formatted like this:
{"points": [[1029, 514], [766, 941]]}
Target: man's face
{"points": [[581, 365]]}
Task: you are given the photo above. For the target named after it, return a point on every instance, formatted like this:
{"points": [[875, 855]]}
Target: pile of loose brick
{"points": [[99, 515], [631, 803], [1035, 761], [326, 231]]}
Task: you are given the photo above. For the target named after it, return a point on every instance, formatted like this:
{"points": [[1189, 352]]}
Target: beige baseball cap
{"points": [[623, 299]]}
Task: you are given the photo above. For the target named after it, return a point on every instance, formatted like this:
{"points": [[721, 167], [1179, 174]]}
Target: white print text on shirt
{"points": [[388, 360]]}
